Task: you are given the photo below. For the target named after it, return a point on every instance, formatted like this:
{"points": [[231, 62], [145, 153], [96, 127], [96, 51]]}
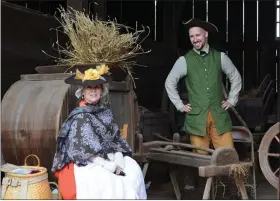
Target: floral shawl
{"points": [[88, 131]]}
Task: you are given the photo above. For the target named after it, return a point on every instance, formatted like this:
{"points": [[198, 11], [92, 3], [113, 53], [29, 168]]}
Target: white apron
{"points": [[95, 182]]}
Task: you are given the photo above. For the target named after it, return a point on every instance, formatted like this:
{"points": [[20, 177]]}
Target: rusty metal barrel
{"points": [[34, 108]]}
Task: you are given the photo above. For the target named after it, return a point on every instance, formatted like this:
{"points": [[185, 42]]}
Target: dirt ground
{"points": [[165, 191]]}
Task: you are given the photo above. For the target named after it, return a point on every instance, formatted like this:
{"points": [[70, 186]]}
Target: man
{"points": [[207, 118]]}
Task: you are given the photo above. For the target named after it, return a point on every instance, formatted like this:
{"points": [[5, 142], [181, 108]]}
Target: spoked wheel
{"points": [[269, 155]]}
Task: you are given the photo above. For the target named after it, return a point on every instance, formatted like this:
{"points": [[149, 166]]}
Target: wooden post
{"points": [[278, 115], [278, 196], [278, 86], [221, 162], [207, 189], [172, 172]]}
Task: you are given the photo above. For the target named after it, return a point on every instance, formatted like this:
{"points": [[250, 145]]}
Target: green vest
{"points": [[204, 85]]}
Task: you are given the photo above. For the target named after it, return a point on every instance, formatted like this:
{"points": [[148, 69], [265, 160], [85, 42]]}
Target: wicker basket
{"points": [[56, 196], [27, 186]]}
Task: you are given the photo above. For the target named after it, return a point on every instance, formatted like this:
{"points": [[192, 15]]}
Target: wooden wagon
{"points": [[217, 163]]}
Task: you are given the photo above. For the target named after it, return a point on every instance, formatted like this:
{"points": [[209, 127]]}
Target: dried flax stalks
{"points": [[239, 171], [92, 41]]}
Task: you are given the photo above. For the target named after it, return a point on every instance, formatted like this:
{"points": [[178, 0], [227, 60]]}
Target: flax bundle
{"points": [[239, 171], [92, 41]]}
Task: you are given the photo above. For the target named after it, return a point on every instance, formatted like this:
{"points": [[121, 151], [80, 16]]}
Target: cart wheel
{"points": [[268, 159]]}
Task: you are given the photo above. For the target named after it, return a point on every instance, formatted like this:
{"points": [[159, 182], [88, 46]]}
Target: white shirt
{"points": [[179, 70]]}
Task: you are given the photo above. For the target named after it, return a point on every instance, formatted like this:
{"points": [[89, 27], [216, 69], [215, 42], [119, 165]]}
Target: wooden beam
{"points": [[207, 189], [181, 153], [172, 174], [214, 170], [189, 161], [158, 143], [39, 77], [278, 92], [278, 190]]}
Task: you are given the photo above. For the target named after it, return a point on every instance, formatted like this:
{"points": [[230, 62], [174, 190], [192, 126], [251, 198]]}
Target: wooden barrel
{"points": [[34, 108], [32, 113]]}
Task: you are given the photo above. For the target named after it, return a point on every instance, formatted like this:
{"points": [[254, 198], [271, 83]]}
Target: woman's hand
{"points": [[118, 170], [111, 166], [119, 160]]}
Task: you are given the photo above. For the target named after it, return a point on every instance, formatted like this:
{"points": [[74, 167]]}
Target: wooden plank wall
{"points": [[253, 53], [252, 48], [133, 13], [25, 33]]}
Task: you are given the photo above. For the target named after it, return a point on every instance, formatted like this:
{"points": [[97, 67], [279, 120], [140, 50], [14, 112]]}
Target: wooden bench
{"points": [[172, 155]]}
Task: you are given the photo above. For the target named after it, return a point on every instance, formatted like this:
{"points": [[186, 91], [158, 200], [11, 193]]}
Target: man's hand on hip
{"points": [[186, 108], [226, 105]]}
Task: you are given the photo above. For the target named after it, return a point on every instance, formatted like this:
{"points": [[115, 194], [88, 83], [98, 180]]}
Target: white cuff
{"points": [[231, 101], [119, 160], [181, 108], [111, 166], [111, 156]]}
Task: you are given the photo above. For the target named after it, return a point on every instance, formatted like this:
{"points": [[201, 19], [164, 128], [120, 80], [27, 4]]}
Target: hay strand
{"points": [[239, 171], [92, 41]]}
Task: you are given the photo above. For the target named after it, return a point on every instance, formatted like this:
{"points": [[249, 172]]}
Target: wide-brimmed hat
{"points": [[99, 75], [207, 26], [90, 76]]}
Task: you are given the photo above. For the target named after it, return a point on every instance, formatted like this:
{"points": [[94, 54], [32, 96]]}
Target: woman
{"points": [[92, 160]]}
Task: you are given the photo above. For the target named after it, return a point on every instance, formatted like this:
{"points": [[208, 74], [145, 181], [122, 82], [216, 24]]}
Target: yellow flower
{"points": [[103, 69], [79, 75], [91, 74]]}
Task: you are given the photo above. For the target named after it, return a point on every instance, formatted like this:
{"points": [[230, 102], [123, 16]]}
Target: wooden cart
{"points": [[174, 153]]}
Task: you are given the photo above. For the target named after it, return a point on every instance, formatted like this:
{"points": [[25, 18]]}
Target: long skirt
{"points": [[95, 182]]}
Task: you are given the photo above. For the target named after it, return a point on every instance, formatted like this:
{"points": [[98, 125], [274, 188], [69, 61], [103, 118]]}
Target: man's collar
{"points": [[205, 49]]}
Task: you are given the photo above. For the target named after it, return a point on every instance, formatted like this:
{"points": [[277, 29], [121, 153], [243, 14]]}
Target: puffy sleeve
{"points": [[82, 143], [234, 77]]}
